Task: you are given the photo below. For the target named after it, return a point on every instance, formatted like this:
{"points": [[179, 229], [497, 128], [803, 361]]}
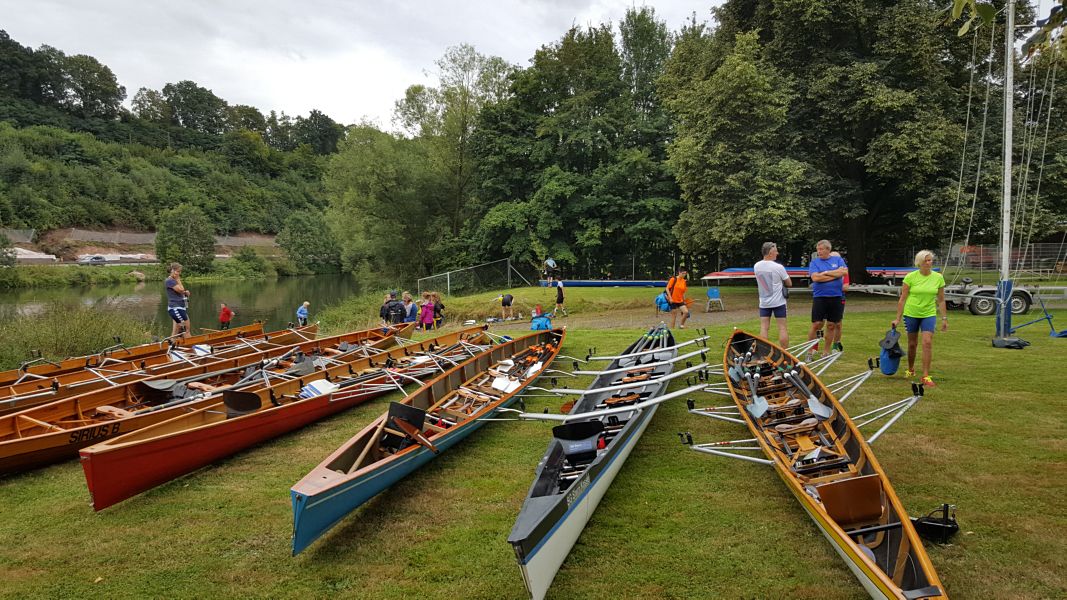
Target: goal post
{"points": [[470, 280]]}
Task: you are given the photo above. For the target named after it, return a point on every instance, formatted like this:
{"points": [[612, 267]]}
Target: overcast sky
{"points": [[350, 59]]}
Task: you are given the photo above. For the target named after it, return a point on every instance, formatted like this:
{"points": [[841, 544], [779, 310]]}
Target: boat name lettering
{"points": [[94, 433], [573, 495]]}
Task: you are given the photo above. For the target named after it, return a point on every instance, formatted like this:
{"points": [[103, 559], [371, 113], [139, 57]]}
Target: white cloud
{"points": [[349, 59]]}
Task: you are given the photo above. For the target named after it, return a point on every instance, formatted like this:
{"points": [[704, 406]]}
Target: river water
{"points": [[272, 301]]}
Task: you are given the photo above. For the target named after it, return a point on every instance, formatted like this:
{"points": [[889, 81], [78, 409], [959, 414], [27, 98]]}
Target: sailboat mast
{"points": [[1004, 286]]}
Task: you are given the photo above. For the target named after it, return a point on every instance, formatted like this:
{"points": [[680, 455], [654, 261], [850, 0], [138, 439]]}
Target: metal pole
{"points": [[1004, 285], [509, 273], [448, 283]]}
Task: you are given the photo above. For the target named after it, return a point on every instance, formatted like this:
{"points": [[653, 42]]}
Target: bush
{"points": [[185, 235], [50, 332]]}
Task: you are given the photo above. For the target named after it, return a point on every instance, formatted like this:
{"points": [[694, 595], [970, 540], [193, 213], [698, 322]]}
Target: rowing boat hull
{"points": [[552, 518], [25, 453], [119, 470], [37, 451], [28, 394], [870, 582], [569, 517], [911, 566], [315, 515], [113, 476], [78, 363], [325, 496]]}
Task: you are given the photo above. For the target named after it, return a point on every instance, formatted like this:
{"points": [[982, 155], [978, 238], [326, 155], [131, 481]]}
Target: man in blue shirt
{"points": [[826, 273]]}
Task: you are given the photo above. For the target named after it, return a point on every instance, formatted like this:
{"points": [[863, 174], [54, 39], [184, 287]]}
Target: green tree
{"points": [[318, 131], [871, 126], [571, 159], [150, 105], [379, 189], [94, 90], [444, 119], [242, 116], [17, 69], [185, 235], [309, 242], [246, 150], [280, 131], [729, 161], [196, 107]]}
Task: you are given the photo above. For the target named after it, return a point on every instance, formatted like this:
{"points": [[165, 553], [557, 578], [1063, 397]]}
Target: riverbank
{"points": [[71, 275]]}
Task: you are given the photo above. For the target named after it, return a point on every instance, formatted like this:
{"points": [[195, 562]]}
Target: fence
{"points": [[148, 239], [19, 236], [499, 274]]}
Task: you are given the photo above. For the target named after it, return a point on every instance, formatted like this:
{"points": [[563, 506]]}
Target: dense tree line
{"points": [[619, 147], [72, 155]]}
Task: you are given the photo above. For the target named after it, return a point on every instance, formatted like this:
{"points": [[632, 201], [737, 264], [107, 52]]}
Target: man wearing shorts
{"points": [[827, 291], [772, 279], [177, 301], [506, 312]]}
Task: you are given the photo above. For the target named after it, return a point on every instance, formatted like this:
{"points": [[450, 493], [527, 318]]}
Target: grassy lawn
{"points": [[675, 524]]}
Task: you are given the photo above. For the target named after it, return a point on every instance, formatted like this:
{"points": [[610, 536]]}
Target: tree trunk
{"points": [[856, 242]]}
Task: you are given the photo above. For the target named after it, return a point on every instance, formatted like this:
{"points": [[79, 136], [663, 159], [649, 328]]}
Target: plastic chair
{"points": [[713, 298]]}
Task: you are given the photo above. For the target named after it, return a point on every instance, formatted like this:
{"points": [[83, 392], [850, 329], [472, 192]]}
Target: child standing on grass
{"points": [[426, 312]]}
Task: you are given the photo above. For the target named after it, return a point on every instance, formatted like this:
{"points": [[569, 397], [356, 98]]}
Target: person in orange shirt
{"points": [[676, 288]]}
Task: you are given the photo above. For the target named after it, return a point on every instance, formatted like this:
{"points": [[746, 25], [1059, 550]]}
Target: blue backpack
{"points": [[662, 303], [540, 322], [889, 358]]}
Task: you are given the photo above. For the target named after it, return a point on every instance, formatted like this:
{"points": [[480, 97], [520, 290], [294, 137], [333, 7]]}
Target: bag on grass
{"points": [[889, 358]]}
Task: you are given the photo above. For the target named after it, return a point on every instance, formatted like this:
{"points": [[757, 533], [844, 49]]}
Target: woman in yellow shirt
{"points": [[921, 298]]}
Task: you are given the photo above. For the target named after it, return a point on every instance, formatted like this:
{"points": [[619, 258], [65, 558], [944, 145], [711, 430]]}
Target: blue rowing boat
{"points": [[415, 430]]}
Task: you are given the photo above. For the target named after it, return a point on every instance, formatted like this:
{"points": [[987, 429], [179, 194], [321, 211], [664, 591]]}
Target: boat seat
{"points": [[853, 502], [801, 427], [579, 440], [114, 411]]}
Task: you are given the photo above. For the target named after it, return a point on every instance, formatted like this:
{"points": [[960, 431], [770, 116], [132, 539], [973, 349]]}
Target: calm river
{"points": [[272, 301]]}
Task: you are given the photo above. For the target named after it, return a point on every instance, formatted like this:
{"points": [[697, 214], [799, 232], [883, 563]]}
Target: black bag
{"points": [[395, 311]]}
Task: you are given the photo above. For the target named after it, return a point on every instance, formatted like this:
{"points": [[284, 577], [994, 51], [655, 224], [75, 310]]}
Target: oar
{"points": [[415, 434], [758, 406], [817, 408]]}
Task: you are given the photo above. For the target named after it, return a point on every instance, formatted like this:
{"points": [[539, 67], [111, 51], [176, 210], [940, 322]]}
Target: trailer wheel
{"points": [[982, 304], [1020, 304]]}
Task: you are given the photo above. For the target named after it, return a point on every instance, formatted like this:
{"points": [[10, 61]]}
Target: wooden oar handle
{"points": [[414, 433]]}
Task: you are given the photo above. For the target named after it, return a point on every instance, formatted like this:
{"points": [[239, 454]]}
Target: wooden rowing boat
{"points": [[56, 431], [585, 454], [413, 431], [38, 391], [828, 466], [127, 465], [42, 368]]}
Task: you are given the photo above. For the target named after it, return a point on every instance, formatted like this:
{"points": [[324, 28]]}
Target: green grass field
{"points": [[675, 524]]}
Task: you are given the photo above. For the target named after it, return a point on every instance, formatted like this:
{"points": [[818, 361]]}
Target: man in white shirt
{"points": [[772, 279]]}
